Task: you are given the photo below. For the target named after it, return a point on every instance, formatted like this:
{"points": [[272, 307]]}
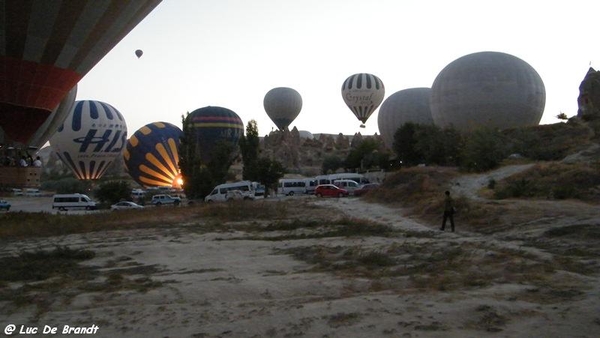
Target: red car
{"points": [[330, 190]]}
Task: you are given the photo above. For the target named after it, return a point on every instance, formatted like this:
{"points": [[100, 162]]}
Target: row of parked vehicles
{"points": [[337, 185]]}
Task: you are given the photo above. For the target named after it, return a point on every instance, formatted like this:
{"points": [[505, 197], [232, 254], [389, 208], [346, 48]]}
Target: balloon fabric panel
{"points": [[91, 137], [152, 155]]}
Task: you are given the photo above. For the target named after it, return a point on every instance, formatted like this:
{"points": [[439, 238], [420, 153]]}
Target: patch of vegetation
{"points": [[342, 319], [548, 142], [434, 265], [304, 229], [45, 278], [41, 265], [553, 181]]}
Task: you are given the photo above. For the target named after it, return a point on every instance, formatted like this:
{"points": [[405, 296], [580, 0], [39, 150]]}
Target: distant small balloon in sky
{"points": [[139, 53]]}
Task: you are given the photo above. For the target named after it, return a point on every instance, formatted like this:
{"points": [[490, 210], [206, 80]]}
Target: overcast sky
{"points": [[230, 53]]}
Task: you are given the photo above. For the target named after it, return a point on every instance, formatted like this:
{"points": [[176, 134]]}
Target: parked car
{"points": [[349, 185], [365, 188], [32, 193], [165, 199], [4, 205], [330, 190], [123, 205]]}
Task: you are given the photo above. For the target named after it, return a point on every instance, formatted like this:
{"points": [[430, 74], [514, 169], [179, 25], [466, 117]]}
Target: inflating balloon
{"points": [[363, 93], [152, 156], [47, 47], [53, 121], [91, 137], [212, 125], [282, 105]]}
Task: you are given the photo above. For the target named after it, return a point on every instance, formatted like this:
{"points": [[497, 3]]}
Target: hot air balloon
{"points": [[363, 93], [54, 121], [487, 89], [92, 136], [408, 105], [152, 157], [211, 125], [48, 46], [139, 53], [282, 105]]}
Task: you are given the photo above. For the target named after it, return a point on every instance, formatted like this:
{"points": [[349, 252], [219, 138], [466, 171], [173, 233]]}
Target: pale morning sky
{"points": [[230, 53]]}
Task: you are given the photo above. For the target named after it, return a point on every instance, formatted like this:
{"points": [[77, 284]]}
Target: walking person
{"points": [[448, 211]]}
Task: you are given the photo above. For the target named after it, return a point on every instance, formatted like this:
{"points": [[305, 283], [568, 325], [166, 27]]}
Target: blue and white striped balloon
{"points": [[92, 136]]}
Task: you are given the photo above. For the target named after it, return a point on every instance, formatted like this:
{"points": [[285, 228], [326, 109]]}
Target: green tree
{"points": [[484, 149], [199, 178], [113, 191], [192, 171], [269, 172], [331, 164], [361, 155], [405, 144], [438, 146], [249, 148]]}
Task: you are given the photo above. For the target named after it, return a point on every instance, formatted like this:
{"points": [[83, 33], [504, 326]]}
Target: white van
{"points": [[349, 185], [291, 186], [31, 192], [72, 201], [329, 179], [219, 193]]}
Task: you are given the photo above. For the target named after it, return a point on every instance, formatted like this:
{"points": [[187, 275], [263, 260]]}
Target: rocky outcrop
{"points": [[589, 96]]}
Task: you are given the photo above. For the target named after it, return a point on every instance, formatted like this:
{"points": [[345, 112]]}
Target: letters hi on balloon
{"points": [[91, 137], [363, 93]]}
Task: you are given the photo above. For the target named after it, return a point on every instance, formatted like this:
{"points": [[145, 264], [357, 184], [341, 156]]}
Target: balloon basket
{"points": [[362, 126]]}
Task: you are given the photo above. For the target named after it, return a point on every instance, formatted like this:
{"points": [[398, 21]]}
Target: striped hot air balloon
{"points": [[212, 125], [363, 93], [91, 137], [46, 47], [152, 155], [54, 121]]}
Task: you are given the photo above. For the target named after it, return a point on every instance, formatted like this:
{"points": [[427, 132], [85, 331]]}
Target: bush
{"points": [[553, 180], [113, 192], [484, 150]]}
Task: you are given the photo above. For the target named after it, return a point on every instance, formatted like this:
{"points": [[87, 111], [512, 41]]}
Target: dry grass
{"points": [[44, 278], [554, 181]]}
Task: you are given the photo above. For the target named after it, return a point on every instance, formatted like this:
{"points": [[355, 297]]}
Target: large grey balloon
{"points": [[487, 89], [56, 118], [283, 105], [408, 105]]}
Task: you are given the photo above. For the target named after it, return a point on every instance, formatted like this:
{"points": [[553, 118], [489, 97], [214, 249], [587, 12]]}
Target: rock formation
{"points": [[589, 96]]}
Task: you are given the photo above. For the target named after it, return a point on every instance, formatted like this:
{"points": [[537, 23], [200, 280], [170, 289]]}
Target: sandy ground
{"points": [[224, 284]]}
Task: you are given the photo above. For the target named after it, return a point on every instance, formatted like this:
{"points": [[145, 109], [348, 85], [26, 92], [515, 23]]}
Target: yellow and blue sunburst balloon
{"points": [[152, 156]]}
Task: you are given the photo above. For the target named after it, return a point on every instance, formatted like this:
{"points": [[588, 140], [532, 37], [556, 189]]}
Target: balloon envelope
{"points": [[487, 89], [152, 156], [363, 93], [212, 125], [48, 46], [91, 137], [282, 105], [139, 53], [408, 105], [54, 121]]}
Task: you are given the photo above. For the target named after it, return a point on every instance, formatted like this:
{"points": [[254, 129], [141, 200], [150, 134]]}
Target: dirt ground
{"points": [[536, 278]]}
